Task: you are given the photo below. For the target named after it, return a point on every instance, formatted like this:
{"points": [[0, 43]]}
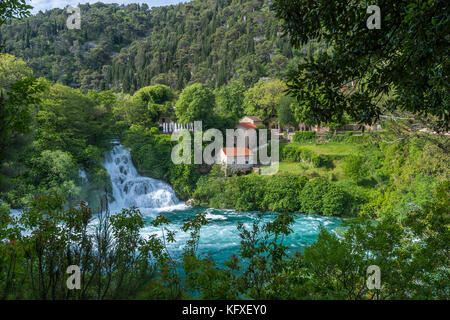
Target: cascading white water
{"points": [[218, 238], [132, 190]]}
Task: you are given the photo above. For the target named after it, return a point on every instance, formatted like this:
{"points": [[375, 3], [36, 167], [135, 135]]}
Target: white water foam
{"points": [[132, 190]]}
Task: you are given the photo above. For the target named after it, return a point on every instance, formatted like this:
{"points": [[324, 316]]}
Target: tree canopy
{"points": [[146, 106], [262, 100], [403, 67], [128, 47], [196, 103], [18, 92], [13, 9], [230, 99]]}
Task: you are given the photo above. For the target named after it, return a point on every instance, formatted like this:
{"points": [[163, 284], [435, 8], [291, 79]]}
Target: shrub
{"points": [[319, 196], [355, 167], [358, 139], [209, 187], [251, 192], [338, 138], [183, 178], [358, 197], [116, 259], [306, 155], [335, 201], [300, 136], [320, 161], [291, 152], [329, 135], [311, 195], [282, 193], [295, 153]]}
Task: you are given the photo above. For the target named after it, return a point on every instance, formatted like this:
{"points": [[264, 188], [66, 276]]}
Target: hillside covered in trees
{"points": [[68, 97], [128, 47]]}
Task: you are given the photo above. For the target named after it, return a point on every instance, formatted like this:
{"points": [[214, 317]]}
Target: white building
{"points": [[254, 120], [248, 129], [237, 159]]}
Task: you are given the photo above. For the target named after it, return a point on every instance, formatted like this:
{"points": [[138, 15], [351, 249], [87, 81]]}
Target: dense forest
{"points": [[129, 47], [66, 94]]}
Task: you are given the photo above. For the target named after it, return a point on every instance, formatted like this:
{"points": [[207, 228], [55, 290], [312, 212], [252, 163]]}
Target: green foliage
{"points": [[244, 193], [403, 175], [10, 9], [196, 103], [148, 151], [320, 161], [146, 106], [115, 260], [151, 154], [295, 153], [12, 69], [282, 193], [251, 193], [252, 272], [357, 196], [48, 132], [69, 120], [300, 136], [285, 115], [351, 77], [263, 99], [332, 268], [5, 220], [279, 193], [312, 194], [290, 152], [130, 47], [229, 99], [56, 129], [336, 268], [262, 246], [336, 201], [18, 93], [183, 178], [56, 170], [241, 192], [355, 167], [209, 187], [319, 196]]}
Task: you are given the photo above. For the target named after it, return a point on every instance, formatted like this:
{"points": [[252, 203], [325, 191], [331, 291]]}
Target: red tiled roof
{"points": [[254, 118], [237, 152], [247, 125]]}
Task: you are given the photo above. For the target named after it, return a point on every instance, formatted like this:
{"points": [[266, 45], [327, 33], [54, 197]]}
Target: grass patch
{"points": [[337, 149], [299, 168], [329, 148]]}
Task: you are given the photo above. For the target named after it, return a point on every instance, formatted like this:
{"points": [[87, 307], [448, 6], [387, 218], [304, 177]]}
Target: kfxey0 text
{"points": [[231, 309]]}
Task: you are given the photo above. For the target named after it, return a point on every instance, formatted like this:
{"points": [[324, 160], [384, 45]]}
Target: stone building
{"points": [[236, 159]]}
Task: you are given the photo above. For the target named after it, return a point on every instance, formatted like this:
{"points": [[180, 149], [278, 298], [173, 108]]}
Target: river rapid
{"points": [[220, 237]]}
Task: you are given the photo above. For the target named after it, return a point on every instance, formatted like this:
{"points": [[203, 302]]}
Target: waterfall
{"points": [[132, 190], [82, 174]]}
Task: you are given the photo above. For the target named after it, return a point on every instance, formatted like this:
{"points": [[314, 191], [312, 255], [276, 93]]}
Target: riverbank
{"points": [[354, 176]]}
